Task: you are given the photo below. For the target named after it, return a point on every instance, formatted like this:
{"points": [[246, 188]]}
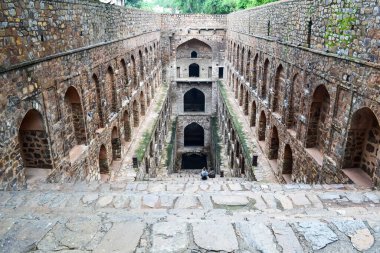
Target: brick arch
{"points": [[141, 65], [287, 164], [142, 103], [33, 141], [103, 161], [75, 123], [116, 144], [99, 110], [253, 114], [134, 72], [274, 144], [262, 126], [279, 87], [127, 126], [295, 101], [136, 113], [362, 149], [265, 82], [254, 72], [111, 89], [319, 110]]}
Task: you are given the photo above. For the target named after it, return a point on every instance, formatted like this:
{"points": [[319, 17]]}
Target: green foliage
{"points": [[235, 121], [134, 3], [140, 152], [210, 6], [169, 147]]}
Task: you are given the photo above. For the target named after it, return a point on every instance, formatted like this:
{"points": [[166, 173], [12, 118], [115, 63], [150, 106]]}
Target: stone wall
{"points": [[41, 80], [312, 107], [347, 28], [35, 149], [46, 28]]}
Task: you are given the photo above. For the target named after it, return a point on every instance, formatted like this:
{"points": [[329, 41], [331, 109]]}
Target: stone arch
{"points": [[98, 101], [193, 135], [111, 89], [142, 103], [253, 114], [75, 116], [294, 102], [236, 88], [127, 126], [246, 102], [274, 144], [194, 161], [241, 94], [116, 144], [141, 61], [193, 70], [264, 86], [255, 71], [237, 57], [194, 101], [319, 110], [362, 149], [279, 84], [241, 70], [124, 73], [262, 126], [194, 54], [136, 113], [134, 73], [33, 141], [103, 162], [248, 68], [287, 165]]}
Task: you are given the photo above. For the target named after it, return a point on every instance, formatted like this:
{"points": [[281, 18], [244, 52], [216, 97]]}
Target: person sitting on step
{"points": [[204, 174]]}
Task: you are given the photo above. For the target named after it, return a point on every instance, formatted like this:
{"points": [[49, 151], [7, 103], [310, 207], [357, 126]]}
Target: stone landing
{"points": [[188, 215]]}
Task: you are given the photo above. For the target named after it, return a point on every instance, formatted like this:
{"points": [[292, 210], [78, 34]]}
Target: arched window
{"points": [[34, 144], [287, 166], [194, 54], [194, 135], [194, 101], [194, 70]]}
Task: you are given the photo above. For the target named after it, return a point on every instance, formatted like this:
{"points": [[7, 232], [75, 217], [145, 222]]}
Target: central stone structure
{"points": [[89, 92]]}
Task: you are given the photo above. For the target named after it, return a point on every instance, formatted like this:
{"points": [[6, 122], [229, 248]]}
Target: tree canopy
{"points": [[197, 6]]}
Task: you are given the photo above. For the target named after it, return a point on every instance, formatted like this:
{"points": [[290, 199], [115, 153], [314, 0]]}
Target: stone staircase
{"points": [[185, 214]]}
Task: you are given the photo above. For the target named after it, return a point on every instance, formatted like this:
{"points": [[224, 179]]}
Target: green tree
{"points": [[218, 6]]}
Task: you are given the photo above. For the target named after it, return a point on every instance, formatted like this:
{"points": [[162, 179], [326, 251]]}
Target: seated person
{"points": [[204, 174], [211, 174]]}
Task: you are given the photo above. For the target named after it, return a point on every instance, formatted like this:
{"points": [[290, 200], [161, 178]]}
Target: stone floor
{"points": [[184, 214]]}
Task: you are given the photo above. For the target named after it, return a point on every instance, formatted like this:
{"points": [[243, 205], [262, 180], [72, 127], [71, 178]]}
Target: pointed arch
{"points": [[262, 126], [318, 114], [103, 161], [287, 166], [136, 114], [111, 90], [193, 135], [142, 103], [99, 110], [116, 144], [194, 101], [76, 118], [295, 98], [33, 141], [127, 126], [274, 144], [253, 114], [264, 86], [279, 84], [193, 70]]}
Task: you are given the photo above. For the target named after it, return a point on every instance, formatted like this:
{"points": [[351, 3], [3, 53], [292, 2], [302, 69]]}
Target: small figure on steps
{"points": [[204, 174]]}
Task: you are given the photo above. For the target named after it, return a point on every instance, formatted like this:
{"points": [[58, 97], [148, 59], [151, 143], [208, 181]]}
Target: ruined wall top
{"points": [[347, 28], [31, 30]]}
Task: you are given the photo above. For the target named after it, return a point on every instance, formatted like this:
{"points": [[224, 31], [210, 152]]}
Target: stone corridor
{"points": [[184, 214]]}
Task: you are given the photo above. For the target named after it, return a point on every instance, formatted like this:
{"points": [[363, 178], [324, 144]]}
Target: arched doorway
{"points": [[116, 144], [194, 101], [111, 88], [98, 101], [193, 135], [279, 84], [362, 149], [127, 127], [253, 114], [194, 161], [194, 70], [142, 103], [103, 164], [319, 110], [264, 87], [287, 166], [262, 126], [274, 144], [77, 135], [135, 109], [34, 144], [246, 103], [194, 54]]}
